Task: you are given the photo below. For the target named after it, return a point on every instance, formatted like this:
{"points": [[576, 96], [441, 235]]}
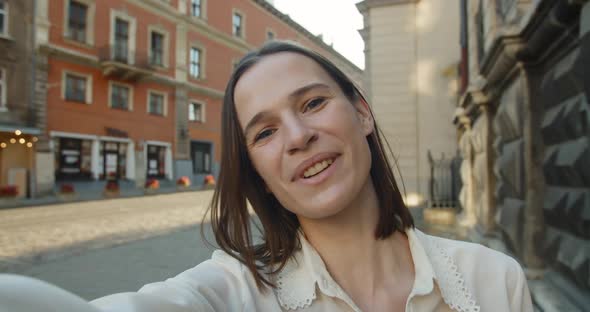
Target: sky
{"points": [[337, 20]]}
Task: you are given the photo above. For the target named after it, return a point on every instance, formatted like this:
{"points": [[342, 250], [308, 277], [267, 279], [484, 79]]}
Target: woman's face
{"points": [[305, 138]]}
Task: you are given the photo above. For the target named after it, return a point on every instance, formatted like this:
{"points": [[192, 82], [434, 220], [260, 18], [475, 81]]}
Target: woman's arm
{"points": [[214, 285]]}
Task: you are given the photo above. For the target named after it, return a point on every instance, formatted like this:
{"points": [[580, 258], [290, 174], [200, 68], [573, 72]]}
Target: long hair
{"points": [[239, 183]]}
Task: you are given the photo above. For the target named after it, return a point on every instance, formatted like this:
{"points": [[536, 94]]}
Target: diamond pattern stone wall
{"points": [[565, 91], [509, 164]]}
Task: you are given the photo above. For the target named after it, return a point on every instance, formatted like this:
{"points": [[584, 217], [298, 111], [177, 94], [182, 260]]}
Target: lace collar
{"points": [[296, 283]]}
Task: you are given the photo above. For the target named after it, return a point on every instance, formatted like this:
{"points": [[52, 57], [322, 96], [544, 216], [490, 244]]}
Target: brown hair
{"points": [[239, 183]]}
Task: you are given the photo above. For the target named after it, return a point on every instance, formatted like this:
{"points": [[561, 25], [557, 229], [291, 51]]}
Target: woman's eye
{"points": [[263, 134], [313, 103]]}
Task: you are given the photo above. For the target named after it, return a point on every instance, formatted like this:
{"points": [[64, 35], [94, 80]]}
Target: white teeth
{"points": [[317, 168]]}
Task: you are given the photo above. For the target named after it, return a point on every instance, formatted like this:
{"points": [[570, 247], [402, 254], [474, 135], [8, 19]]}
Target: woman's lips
{"points": [[323, 175], [312, 161]]}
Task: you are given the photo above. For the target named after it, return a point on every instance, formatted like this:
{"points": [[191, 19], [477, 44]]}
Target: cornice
{"points": [[365, 5], [285, 18], [236, 43], [93, 61], [531, 42]]}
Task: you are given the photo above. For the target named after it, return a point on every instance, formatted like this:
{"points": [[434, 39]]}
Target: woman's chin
{"points": [[323, 206]]}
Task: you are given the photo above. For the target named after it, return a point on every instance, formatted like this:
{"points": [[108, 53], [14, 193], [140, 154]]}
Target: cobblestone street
{"points": [[103, 247], [37, 234]]}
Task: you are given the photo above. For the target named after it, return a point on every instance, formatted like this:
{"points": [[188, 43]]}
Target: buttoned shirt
{"points": [[449, 276]]}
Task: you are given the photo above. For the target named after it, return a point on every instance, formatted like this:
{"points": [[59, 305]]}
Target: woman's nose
{"points": [[298, 135]]}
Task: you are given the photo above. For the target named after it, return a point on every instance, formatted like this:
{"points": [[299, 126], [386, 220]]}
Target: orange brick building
{"points": [[134, 87]]}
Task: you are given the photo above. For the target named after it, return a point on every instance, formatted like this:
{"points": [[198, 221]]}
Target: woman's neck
{"points": [[361, 264]]}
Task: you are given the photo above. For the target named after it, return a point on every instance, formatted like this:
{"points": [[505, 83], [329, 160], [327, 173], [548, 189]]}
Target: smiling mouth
{"points": [[317, 168]]}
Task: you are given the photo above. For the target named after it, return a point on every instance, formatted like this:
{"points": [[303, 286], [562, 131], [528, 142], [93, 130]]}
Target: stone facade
{"points": [[19, 131], [525, 116], [410, 59]]}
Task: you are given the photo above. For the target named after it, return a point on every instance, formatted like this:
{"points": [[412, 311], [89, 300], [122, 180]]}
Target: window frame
{"points": [[191, 8], [6, 11], [130, 99], [270, 31], [164, 102], [193, 145], [202, 58], [90, 16], [165, 45], [132, 35], [203, 111], [4, 85], [243, 24], [88, 86]]}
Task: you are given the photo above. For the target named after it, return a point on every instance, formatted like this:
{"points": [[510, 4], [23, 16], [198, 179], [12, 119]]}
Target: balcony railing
{"points": [[120, 62]]}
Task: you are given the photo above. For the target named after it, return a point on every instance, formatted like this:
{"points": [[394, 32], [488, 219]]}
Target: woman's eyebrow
{"points": [[256, 119], [299, 92]]}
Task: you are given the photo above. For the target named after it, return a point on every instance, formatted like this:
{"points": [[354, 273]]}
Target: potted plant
{"points": [[8, 194], [111, 189], [183, 183], [209, 182], [66, 192], [151, 186]]}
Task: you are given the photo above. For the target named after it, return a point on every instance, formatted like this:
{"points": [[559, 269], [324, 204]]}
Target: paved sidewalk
{"points": [[36, 234], [126, 267], [93, 190]]}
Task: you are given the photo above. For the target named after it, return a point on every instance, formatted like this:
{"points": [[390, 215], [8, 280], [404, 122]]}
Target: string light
{"points": [[35, 139], [22, 141], [3, 145], [13, 140], [17, 132], [29, 144]]}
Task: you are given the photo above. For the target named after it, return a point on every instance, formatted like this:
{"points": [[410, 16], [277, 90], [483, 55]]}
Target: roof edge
{"points": [[284, 17]]}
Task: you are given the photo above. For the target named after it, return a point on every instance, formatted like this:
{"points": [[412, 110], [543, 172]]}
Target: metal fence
{"points": [[445, 181]]}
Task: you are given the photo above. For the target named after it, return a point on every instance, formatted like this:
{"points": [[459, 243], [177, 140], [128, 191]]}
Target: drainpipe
{"points": [[32, 118]]}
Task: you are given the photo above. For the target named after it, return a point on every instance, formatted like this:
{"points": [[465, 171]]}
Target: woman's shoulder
{"points": [[476, 256], [491, 278]]}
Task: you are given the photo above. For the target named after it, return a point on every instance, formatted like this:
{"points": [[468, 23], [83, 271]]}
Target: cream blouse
{"points": [[450, 276]]}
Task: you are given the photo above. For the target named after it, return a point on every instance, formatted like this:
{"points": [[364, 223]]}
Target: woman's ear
{"points": [[365, 116]]}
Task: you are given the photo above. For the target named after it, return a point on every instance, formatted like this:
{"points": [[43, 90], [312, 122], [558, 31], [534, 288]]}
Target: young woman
{"points": [[301, 146]]}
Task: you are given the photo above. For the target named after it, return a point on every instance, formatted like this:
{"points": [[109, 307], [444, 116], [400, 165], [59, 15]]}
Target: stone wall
{"points": [[509, 165], [564, 94]]}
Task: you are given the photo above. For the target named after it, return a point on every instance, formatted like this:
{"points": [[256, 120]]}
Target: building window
{"points": [[113, 160], [120, 96], [75, 88], [3, 18], [238, 26], [201, 157], [270, 35], [121, 48], [195, 62], [156, 161], [77, 17], [196, 112], [157, 103], [157, 49], [2, 89], [196, 8], [73, 159]]}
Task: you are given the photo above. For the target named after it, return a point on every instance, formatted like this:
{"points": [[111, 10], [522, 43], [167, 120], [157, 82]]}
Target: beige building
{"points": [[411, 54]]}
